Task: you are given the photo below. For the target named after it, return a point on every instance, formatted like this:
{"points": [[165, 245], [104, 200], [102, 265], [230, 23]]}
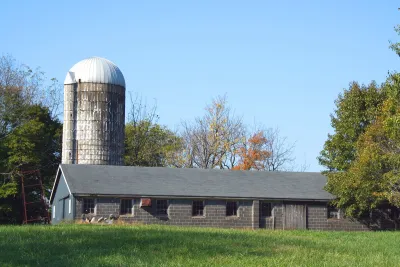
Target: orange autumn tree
{"points": [[253, 153]]}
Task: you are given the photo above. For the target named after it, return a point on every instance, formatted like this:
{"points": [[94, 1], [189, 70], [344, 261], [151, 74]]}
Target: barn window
{"points": [[54, 212], [162, 207], [198, 208], [126, 207], [333, 212], [88, 205], [231, 208], [69, 206], [266, 209]]}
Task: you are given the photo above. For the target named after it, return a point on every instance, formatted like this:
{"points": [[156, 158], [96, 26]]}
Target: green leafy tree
{"points": [[363, 155], [373, 178], [34, 144], [146, 142], [356, 108]]}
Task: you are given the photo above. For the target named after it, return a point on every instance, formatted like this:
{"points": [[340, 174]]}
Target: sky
{"points": [[280, 63]]}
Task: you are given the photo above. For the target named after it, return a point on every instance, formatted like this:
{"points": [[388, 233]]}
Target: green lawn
{"points": [[140, 245]]}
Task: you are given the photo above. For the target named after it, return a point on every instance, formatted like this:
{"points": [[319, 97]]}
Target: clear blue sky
{"points": [[281, 63]]}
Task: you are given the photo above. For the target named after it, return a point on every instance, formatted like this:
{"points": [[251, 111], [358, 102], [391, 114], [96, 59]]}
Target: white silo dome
{"points": [[95, 70]]}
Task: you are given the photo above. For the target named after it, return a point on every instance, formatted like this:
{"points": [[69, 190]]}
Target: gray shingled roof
{"points": [[154, 181]]}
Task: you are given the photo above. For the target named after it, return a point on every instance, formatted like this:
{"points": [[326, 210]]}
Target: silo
{"points": [[94, 113]]}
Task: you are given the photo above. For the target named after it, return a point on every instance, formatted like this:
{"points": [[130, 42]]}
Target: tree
{"points": [[146, 142], [211, 141], [372, 180], [149, 144], [34, 144], [363, 156], [355, 110], [28, 86], [281, 152], [219, 139], [396, 46], [253, 153], [30, 135]]}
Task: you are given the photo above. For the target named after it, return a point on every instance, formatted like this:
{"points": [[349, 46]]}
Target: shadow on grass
{"points": [[82, 245]]}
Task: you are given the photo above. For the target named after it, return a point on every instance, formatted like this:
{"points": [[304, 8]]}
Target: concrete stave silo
{"points": [[94, 113]]}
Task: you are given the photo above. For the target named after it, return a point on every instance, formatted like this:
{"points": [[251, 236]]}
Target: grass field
{"points": [[89, 245]]}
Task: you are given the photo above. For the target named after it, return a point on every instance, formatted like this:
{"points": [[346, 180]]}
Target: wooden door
{"points": [[295, 216]]}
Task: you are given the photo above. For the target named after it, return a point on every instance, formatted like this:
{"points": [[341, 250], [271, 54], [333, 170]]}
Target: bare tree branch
{"points": [[281, 158]]}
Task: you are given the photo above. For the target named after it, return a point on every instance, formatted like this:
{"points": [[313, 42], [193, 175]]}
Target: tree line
{"points": [[31, 136]]}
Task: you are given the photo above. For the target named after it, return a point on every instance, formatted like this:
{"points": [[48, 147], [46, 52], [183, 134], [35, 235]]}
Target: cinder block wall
{"points": [[179, 213], [107, 206], [318, 220]]}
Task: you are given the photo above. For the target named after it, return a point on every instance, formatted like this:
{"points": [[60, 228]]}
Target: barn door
{"points": [[295, 216]]}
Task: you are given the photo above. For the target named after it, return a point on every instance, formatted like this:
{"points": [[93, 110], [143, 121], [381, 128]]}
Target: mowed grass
{"points": [[155, 245]]}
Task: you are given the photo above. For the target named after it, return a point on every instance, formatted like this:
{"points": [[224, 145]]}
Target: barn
{"points": [[196, 197], [92, 183]]}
